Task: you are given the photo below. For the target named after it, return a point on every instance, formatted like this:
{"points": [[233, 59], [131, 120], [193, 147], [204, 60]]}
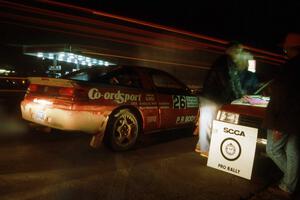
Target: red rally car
{"points": [[114, 104], [247, 111]]}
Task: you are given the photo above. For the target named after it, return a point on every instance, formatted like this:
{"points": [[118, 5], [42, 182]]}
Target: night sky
{"points": [[260, 23]]}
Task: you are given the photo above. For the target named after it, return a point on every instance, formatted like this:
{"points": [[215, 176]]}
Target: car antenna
{"points": [[262, 87]]}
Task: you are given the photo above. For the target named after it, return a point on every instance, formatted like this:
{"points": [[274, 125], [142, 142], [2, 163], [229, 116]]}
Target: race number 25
{"points": [[179, 101]]}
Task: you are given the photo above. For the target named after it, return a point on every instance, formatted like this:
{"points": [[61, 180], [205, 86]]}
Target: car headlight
{"points": [[229, 117]]}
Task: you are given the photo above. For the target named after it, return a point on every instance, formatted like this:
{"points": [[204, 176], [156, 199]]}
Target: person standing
{"points": [[282, 118], [249, 81], [222, 85]]}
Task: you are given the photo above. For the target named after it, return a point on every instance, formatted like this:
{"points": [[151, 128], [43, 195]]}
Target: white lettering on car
{"points": [[150, 97], [185, 119], [119, 97], [94, 94]]}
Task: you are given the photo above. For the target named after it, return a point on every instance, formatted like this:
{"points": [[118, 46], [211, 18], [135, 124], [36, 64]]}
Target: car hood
{"points": [[254, 106]]}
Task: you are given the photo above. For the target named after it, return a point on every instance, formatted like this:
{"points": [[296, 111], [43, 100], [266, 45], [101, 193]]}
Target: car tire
{"points": [[123, 130]]}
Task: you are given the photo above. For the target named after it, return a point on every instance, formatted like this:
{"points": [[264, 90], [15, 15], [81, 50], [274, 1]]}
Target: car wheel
{"points": [[124, 130]]}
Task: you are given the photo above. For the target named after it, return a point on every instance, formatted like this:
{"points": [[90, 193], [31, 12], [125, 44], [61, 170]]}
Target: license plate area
{"points": [[39, 115]]}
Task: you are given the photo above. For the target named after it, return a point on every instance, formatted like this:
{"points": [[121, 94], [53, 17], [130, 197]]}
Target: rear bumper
{"points": [[64, 119]]}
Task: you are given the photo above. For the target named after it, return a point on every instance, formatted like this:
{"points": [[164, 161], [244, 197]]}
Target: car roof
{"points": [[121, 67], [114, 67]]}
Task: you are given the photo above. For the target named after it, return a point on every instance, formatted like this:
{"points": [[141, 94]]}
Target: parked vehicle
{"points": [[116, 104], [247, 111]]}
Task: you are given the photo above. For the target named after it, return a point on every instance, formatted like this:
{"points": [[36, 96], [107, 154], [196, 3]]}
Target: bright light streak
{"points": [[71, 58], [62, 54], [4, 71], [51, 56], [40, 54], [80, 57]]}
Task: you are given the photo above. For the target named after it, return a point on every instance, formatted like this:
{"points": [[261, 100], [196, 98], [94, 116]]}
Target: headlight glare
{"points": [[229, 117]]}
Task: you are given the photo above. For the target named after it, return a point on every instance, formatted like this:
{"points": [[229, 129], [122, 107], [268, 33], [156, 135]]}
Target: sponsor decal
{"points": [[192, 102], [118, 96], [150, 97], [151, 119], [185, 119], [148, 104], [180, 101], [164, 105]]}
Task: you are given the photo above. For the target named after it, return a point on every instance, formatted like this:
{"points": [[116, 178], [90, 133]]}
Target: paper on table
{"points": [[254, 100]]}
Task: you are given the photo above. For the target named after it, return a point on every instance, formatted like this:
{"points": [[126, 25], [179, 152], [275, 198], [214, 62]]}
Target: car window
{"points": [[120, 77], [82, 76], [124, 77], [87, 74], [166, 83]]}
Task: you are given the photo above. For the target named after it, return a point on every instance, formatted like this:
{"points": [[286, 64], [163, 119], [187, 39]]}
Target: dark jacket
{"points": [[224, 83], [249, 82], [283, 111]]}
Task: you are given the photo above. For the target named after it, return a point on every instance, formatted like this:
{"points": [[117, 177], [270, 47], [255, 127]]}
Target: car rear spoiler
{"points": [[51, 81]]}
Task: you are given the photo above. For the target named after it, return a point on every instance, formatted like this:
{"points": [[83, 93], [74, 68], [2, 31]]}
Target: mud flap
{"points": [[96, 140]]}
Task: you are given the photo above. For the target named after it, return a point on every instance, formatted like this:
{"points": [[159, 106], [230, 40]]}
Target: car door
{"points": [[148, 105], [177, 108]]}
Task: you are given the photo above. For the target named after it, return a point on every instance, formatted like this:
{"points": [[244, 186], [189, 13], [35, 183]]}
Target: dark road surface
{"points": [[37, 165]]}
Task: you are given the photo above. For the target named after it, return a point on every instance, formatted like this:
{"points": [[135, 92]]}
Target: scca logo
{"points": [[235, 132]]}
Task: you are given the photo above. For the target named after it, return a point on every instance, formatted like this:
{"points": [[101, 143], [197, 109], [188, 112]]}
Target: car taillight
{"points": [[66, 91], [80, 95], [33, 88]]}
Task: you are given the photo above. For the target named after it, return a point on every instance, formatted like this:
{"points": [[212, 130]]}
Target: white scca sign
{"points": [[232, 148]]}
